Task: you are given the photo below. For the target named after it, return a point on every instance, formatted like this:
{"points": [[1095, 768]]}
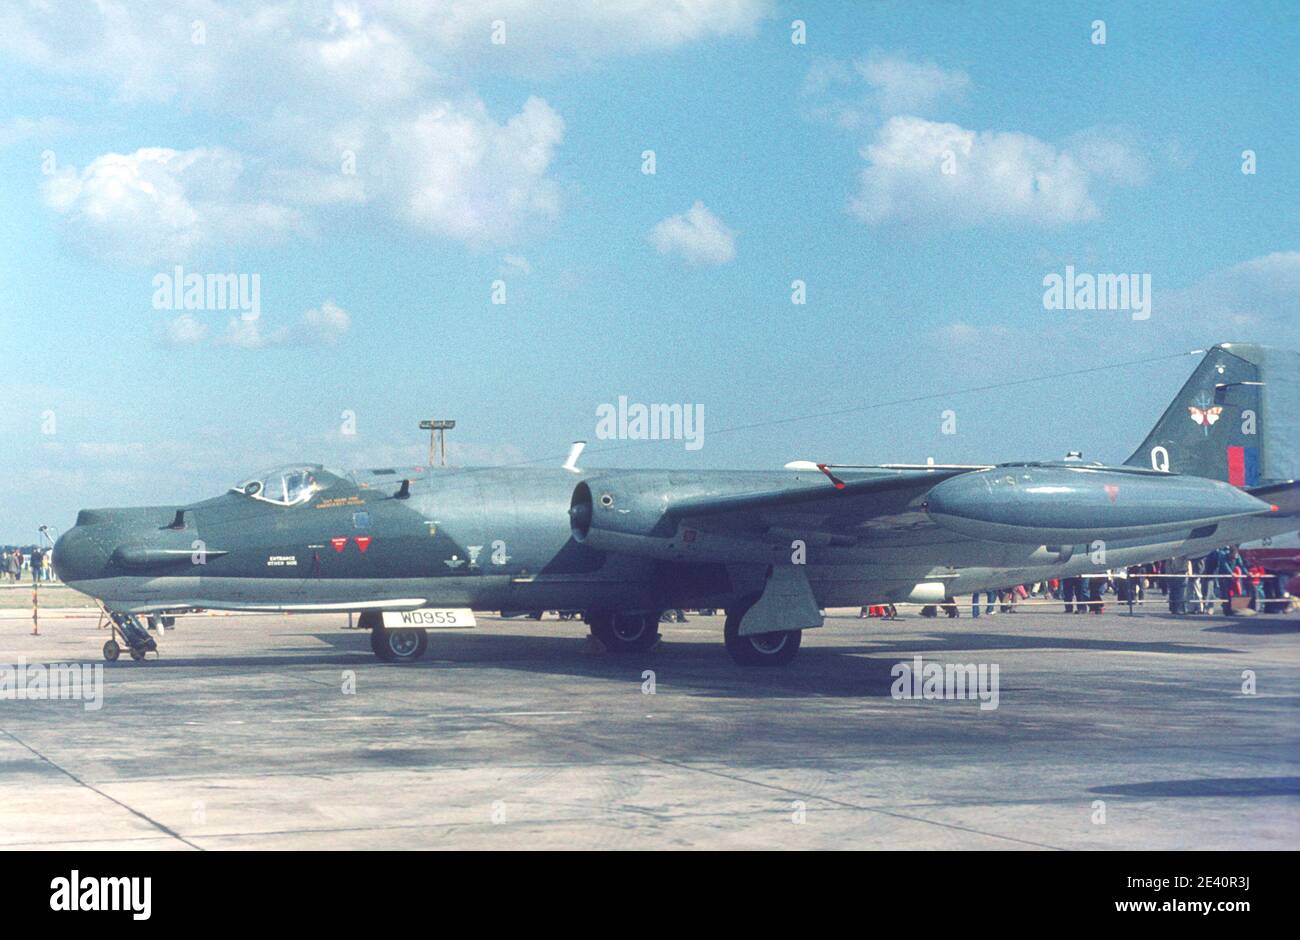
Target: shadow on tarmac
{"points": [[936, 642], [1256, 626], [702, 668], [1217, 786]]}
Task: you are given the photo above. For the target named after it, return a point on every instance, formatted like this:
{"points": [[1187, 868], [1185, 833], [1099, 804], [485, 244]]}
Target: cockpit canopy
{"points": [[285, 486]]}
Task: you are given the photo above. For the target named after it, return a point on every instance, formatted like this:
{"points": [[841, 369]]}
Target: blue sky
{"points": [[135, 137]]}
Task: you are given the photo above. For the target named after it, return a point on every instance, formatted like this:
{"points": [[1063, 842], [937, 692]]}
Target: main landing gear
{"points": [[637, 631], [759, 649], [624, 631], [402, 645]]}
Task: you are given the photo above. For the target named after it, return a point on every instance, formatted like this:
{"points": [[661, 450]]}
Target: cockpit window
{"points": [[286, 486]]}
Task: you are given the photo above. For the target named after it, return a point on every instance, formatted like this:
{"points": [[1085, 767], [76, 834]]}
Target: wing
{"points": [[856, 501], [721, 516]]}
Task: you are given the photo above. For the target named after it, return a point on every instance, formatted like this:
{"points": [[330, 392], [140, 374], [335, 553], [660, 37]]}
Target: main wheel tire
{"points": [[625, 631], [399, 646], [759, 649], [112, 651], [138, 653]]}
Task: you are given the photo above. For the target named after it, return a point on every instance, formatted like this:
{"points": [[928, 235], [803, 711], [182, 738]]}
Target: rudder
{"points": [[1236, 419]]}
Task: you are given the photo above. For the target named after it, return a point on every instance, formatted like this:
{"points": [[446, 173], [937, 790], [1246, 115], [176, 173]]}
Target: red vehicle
{"points": [[1279, 556]]}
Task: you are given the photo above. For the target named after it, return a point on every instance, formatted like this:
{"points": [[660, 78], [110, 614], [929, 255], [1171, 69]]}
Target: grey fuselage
{"points": [[502, 539]]}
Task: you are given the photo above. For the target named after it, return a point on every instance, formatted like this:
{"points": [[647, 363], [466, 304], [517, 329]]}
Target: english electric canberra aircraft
{"points": [[418, 549]]}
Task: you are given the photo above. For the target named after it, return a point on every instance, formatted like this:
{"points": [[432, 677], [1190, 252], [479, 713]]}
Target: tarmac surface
{"points": [[1111, 732]]}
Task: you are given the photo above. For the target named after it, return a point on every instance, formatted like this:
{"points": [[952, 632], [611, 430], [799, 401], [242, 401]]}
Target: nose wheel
{"points": [[128, 634], [402, 645], [398, 646]]}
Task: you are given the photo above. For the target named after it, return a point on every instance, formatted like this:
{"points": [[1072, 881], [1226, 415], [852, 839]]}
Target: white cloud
{"points": [[326, 324], [321, 326], [996, 176], [927, 172], [546, 36], [259, 53], [517, 263], [894, 83], [902, 85], [451, 170], [314, 79], [159, 205], [1112, 154], [460, 174], [825, 73], [697, 235], [1253, 301], [186, 330], [247, 334]]}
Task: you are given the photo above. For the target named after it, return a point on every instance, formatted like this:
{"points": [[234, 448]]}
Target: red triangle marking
{"points": [[363, 542]]}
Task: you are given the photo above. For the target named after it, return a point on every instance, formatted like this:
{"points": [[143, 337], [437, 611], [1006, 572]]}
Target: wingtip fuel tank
{"points": [[1038, 504]]}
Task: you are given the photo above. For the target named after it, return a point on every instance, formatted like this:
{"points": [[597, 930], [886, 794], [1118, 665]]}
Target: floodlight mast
{"points": [[437, 428]]}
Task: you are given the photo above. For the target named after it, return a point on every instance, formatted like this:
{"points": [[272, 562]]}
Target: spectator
{"points": [[975, 603], [1257, 575], [1092, 590], [1072, 594], [1215, 564], [1178, 569]]}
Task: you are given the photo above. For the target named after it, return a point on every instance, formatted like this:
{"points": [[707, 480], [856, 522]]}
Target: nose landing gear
{"points": [[130, 634], [401, 645]]}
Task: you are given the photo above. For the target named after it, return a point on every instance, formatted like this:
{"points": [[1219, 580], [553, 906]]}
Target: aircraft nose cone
{"points": [[77, 557]]}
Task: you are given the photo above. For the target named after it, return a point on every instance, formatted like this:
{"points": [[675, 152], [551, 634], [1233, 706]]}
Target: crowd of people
{"points": [[1221, 578], [36, 563]]}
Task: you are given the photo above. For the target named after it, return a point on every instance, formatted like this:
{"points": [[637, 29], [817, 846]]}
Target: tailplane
{"points": [[1236, 419]]}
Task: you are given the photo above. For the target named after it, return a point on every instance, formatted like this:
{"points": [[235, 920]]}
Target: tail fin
{"points": [[1237, 419]]}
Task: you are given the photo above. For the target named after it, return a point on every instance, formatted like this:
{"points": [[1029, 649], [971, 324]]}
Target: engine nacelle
{"points": [[611, 515], [1061, 505], [629, 514]]}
